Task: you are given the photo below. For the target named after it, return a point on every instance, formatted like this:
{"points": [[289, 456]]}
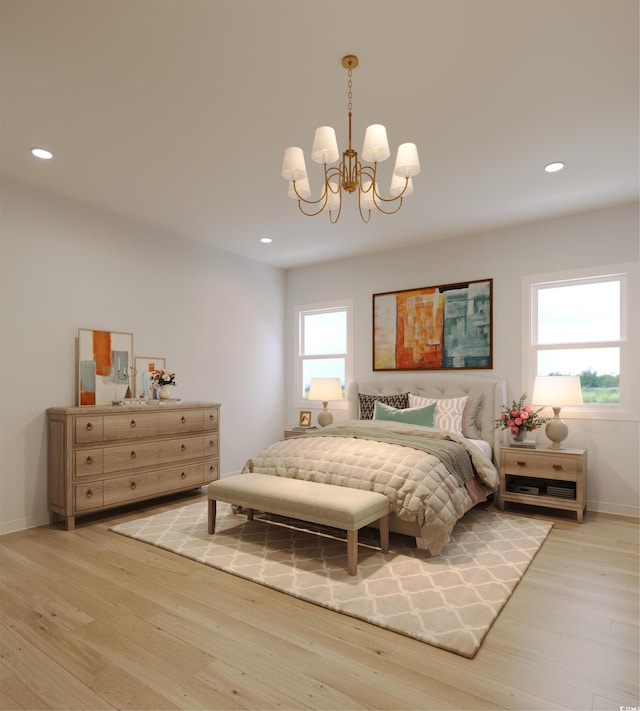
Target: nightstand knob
{"points": [[522, 464], [89, 460], [132, 423], [557, 467], [88, 493], [89, 427]]}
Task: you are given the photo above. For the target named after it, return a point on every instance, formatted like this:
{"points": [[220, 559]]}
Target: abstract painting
{"points": [[105, 362], [443, 327]]}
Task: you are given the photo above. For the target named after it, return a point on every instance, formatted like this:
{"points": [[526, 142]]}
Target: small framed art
{"points": [[144, 367], [305, 418]]}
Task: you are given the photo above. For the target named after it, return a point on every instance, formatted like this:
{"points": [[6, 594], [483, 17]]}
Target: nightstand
{"points": [[297, 433], [554, 478]]}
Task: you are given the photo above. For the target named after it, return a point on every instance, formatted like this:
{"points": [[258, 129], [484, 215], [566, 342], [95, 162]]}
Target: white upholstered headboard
{"points": [[486, 395]]}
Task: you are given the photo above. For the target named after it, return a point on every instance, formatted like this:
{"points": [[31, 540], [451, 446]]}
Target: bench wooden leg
{"points": [[249, 514], [384, 533], [211, 516], [352, 552]]}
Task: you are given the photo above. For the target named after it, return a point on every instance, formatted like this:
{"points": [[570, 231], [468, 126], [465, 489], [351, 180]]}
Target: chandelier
{"points": [[351, 174]]}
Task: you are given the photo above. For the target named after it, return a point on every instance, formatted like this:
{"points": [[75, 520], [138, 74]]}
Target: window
{"points": [[581, 323], [323, 346]]}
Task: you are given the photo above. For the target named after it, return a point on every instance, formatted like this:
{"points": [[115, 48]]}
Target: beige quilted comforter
{"points": [[418, 485]]}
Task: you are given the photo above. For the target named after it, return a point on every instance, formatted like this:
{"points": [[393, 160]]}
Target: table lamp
{"points": [[325, 389], [557, 391]]}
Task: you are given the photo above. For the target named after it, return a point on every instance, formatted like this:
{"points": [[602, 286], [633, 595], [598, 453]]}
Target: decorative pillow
{"points": [[449, 411], [411, 415], [367, 403]]}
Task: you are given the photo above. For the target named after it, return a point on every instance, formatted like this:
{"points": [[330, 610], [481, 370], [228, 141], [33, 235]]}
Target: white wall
{"points": [[599, 237], [217, 318]]}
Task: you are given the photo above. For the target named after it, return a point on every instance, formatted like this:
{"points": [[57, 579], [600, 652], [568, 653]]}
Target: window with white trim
{"points": [[324, 337], [581, 323]]}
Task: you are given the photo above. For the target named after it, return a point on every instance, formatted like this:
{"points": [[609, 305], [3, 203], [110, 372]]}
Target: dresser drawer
{"points": [[192, 474], [177, 449], [88, 429], [180, 421], [211, 419], [547, 465], [129, 488], [89, 496], [130, 456], [89, 462], [130, 426]]}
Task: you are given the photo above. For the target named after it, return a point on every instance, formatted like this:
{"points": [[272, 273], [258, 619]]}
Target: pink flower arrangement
{"points": [[519, 417], [162, 377]]}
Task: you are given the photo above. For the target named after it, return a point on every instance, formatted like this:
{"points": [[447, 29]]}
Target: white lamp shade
{"points": [[557, 390], [293, 165], [407, 161], [376, 145], [325, 146], [366, 196], [303, 188], [333, 196], [325, 389], [397, 186]]}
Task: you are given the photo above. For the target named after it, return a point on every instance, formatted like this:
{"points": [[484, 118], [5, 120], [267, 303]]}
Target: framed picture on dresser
{"points": [[105, 366], [144, 366]]}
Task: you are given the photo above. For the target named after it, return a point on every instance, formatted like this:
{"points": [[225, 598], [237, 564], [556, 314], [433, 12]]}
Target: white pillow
{"points": [[449, 411]]}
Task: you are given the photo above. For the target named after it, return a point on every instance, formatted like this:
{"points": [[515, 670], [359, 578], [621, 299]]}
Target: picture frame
{"points": [[104, 365], [143, 366], [444, 327], [305, 418]]}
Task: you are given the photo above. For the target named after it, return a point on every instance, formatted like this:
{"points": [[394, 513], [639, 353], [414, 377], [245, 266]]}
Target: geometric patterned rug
{"points": [[449, 601]]}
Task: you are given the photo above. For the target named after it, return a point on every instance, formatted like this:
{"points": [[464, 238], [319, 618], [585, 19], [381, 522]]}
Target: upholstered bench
{"points": [[326, 504]]}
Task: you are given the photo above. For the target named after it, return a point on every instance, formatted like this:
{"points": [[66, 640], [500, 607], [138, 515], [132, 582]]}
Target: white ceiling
{"points": [[176, 113]]}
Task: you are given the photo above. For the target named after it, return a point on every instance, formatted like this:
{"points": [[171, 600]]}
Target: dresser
{"points": [[105, 456]]}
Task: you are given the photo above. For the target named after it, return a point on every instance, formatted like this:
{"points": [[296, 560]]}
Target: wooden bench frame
{"points": [[326, 504]]}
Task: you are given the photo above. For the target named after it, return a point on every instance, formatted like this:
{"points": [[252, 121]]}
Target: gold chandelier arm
{"points": [[370, 173]]}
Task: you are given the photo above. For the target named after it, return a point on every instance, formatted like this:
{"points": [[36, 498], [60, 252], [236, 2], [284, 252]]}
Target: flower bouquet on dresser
{"points": [[162, 381], [520, 419]]}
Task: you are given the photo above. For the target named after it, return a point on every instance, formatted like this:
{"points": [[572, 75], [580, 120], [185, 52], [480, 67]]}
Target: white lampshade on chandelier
{"points": [[557, 391], [351, 174]]}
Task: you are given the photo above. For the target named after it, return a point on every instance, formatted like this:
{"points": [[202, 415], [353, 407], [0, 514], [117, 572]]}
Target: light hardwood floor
{"points": [[93, 620]]}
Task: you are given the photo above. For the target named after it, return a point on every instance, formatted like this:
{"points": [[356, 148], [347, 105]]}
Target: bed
{"points": [[432, 475]]}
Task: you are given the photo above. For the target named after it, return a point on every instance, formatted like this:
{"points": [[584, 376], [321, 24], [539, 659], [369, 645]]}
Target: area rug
{"points": [[449, 601]]}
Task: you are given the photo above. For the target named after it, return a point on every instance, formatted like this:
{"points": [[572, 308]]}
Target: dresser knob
{"points": [[133, 454], [89, 427], [132, 424], [88, 493], [211, 443], [89, 460], [132, 485], [183, 448], [211, 416], [183, 419], [183, 475]]}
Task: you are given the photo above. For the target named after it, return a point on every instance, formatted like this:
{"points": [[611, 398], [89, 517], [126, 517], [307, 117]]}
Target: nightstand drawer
{"points": [[545, 465]]}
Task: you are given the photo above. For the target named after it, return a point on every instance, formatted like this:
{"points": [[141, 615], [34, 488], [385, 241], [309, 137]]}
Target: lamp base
{"points": [[556, 430], [324, 416]]}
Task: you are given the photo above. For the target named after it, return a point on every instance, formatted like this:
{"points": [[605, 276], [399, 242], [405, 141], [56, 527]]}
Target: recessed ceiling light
{"points": [[42, 153], [554, 167], [266, 240]]}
